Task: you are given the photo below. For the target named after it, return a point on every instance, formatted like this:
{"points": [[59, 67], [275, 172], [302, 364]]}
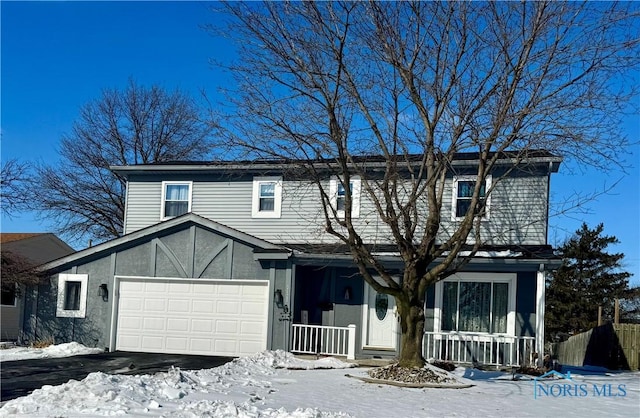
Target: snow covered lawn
{"points": [[259, 386], [52, 351]]}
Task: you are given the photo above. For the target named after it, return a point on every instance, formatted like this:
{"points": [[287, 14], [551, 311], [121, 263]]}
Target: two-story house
{"points": [[229, 258]]}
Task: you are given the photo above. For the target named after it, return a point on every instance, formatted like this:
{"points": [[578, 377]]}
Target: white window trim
{"points": [[510, 278], [277, 198], [62, 280], [355, 195], [15, 297], [454, 196], [164, 195]]}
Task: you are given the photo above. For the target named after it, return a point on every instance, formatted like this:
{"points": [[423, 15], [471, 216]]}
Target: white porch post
{"points": [[540, 300], [351, 349]]}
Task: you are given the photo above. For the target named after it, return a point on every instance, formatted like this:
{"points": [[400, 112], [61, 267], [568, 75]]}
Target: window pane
{"points": [[465, 194], [449, 306], [465, 188], [267, 197], [177, 192], [500, 306], [176, 200], [267, 204], [340, 198], [462, 206], [267, 189], [8, 295], [175, 208], [475, 305], [72, 296]]}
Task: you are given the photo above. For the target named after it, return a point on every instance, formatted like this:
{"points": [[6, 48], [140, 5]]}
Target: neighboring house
{"points": [[230, 258], [35, 249]]}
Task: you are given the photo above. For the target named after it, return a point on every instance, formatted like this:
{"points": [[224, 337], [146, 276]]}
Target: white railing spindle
{"points": [[325, 340], [498, 350]]}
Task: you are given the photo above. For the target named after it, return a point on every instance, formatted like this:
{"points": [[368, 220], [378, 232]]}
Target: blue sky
{"points": [[56, 56]]}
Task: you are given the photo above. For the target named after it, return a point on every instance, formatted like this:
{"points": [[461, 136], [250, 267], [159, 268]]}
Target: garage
{"points": [[191, 316]]}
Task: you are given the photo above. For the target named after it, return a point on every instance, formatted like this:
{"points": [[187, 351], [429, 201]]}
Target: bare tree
{"points": [[138, 125], [14, 179], [414, 83], [17, 270]]}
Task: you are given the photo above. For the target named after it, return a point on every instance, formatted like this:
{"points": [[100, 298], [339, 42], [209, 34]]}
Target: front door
{"points": [[381, 321]]}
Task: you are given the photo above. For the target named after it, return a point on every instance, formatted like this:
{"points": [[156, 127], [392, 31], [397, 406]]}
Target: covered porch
{"points": [[491, 313]]}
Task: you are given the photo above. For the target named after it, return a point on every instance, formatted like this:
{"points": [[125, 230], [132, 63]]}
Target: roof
{"points": [[6, 237], [144, 234], [530, 258], [505, 251], [36, 247], [368, 161]]}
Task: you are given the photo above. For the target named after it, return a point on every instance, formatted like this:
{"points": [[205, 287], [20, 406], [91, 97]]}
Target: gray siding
{"points": [[518, 211], [10, 316], [186, 252]]}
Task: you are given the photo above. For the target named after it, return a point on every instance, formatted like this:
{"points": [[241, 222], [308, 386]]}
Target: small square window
{"points": [[176, 199], [463, 188], [267, 197], [72, 295]]}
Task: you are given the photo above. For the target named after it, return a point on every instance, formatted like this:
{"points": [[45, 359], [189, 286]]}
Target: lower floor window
{"points": [[8, 295], [475, 306], [72, 295]]}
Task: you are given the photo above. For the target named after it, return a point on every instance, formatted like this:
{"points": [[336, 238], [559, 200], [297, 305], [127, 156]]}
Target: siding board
{"points": [[517, 215]]}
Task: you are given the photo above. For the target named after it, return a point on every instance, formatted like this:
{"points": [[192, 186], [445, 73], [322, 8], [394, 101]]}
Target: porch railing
{"points": [[325, 340], [498, 350]]}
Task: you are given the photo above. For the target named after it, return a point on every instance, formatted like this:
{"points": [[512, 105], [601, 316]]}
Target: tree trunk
{"points": [[412, 325]]}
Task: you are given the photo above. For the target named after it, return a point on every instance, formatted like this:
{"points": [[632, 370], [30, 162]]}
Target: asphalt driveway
{"points": [[20, 378]]}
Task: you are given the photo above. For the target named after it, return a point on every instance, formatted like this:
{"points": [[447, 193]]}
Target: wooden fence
{"points": [[616, 347]]}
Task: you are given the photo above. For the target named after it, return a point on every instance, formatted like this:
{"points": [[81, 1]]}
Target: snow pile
{"points": [[52, 351], [286, 360], [262, 386], [177, 392]]}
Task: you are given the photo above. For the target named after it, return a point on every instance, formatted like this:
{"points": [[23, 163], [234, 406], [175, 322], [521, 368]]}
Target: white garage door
{"points": [[211, 317]]}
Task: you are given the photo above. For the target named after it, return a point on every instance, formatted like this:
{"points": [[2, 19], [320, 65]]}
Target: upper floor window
{"points": [[267, 197], [72, 295], [463, 188], [338, 195], [176, 199]]}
